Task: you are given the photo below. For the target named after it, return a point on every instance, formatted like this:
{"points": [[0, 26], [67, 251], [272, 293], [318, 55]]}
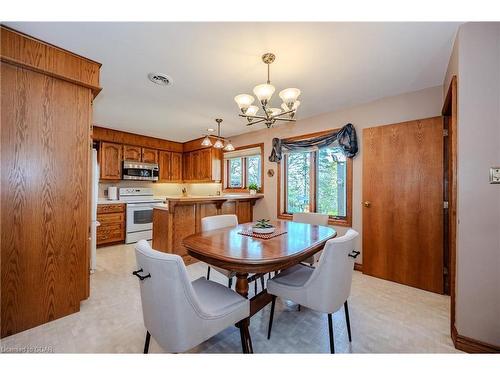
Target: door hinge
{"points": [[445, 132], [445, 204]]}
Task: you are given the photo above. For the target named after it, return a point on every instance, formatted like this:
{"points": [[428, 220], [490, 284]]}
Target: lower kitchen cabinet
{"points": [[112, 223]]}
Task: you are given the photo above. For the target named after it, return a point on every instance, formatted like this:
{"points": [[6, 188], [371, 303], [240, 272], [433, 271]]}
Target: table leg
{"points": [[242, 289]]}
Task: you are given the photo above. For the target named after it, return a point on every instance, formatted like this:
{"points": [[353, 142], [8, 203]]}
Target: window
{"points": [[243, 167], [316, 181]]}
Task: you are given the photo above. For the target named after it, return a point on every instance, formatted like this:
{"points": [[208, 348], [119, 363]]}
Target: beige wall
{"points": [[410, 106], [476, 61]]}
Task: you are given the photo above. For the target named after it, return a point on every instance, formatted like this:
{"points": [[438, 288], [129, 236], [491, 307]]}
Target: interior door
{"points": [[403, 203]]}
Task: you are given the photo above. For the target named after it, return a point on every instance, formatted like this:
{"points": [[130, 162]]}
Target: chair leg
{"points": [[208, 273], [262, 283], [299, 308], [249, 339], [348, 322], [146, 343], [230, 282], [243, 340], [273, 303], [255, 286], [330, 331]]}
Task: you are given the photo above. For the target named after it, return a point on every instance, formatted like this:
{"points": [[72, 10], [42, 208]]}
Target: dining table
{"points": [[237, 249]]}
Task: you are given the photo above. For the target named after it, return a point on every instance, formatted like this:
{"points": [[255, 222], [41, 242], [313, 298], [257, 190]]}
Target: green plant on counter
{"points": [[253, 186], [263, 224]]}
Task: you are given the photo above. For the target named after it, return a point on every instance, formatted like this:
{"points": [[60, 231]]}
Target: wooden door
{"points": [[176, 167], [149, 155], [403, 203], [187, 166], [110, 161], [132, 153], [164, 165]]}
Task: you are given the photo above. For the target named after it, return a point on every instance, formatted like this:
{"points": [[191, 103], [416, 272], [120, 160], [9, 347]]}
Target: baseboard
{"points": [[469, 345], [358, 267]]}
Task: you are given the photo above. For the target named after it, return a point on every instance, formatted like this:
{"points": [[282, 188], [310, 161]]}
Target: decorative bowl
{"points": [[263, 230]]}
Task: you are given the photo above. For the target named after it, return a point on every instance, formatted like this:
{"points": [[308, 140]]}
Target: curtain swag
{"points": [[345, 138]]}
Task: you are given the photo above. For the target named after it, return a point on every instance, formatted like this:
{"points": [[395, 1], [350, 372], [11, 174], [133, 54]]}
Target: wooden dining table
{"points": [[229, 249]]}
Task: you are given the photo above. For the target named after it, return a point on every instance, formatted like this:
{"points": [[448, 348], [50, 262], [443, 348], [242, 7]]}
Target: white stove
{"points": [[140, 203]]}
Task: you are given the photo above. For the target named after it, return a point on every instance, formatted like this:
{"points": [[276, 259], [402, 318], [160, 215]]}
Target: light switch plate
{"points": [[495, 175]]}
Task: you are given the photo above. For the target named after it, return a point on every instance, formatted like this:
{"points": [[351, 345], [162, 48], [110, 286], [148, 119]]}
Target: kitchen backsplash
{"points": [[161, 189]]}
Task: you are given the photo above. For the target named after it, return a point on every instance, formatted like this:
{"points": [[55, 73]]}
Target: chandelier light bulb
{"points": [[244, 101], [229, 147], [218, 144], [252, 111], [273, 112], [290, 95], [206, 142], [264, 92]]}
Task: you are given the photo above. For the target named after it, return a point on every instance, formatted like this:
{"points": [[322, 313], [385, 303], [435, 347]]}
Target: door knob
{"points": [[366, 203]]}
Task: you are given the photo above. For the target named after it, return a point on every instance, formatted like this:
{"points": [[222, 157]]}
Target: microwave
{"points": [[140, 171]]}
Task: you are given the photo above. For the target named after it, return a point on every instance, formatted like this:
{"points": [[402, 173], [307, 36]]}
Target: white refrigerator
{"points": [[93, 211]]}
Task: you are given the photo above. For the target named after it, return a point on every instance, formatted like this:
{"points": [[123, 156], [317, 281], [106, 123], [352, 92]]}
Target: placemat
{"points": [[262, 236]]}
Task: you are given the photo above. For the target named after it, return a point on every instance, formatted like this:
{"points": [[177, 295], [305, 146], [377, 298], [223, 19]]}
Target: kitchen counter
{"points": [[181, 216], [109, 201]]}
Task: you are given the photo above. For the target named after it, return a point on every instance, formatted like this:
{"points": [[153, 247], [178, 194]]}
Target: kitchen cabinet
{"points": [[170, 165], [132, 153], [149, 155], [112, 220], [202, 165], [110, 161]]}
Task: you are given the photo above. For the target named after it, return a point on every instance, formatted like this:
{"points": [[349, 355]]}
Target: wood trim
{"points": [[100, 133], [471, 345], [243, 189], [358, 267], [25, 51], [450, 109], [339, 222]]}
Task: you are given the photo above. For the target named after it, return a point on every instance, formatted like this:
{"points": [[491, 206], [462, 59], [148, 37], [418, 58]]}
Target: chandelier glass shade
{"points": [[219, 141], [264, 93]]}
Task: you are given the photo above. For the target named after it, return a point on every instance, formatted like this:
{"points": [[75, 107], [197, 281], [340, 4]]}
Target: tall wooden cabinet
{"points": [[46, 101]]}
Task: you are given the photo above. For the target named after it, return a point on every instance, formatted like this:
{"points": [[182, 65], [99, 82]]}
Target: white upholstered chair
{"points": [[315, 219], [219, 222], [324, 288], [180, 314]]}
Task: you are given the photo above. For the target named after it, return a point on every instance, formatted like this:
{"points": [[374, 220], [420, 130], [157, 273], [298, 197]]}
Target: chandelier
{"points": [[264, 92], [219, 143]]}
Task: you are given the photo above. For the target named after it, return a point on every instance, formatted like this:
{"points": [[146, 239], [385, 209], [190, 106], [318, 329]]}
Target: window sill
{"points": [[338, 222], [240, 190]]}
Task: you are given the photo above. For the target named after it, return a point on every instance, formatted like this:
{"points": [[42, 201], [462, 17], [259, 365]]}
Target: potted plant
{"points": [[253, 188], [263, 226]]}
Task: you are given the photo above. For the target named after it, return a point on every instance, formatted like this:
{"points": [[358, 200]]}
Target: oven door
{"points": [[139, 217]]}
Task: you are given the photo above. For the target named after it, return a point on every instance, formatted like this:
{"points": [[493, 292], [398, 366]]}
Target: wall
{"points": [[478, 202], [409, 106], [163, 189]]}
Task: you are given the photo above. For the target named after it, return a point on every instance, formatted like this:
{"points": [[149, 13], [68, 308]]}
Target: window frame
{"points": [[282, 195], [225, 168]]}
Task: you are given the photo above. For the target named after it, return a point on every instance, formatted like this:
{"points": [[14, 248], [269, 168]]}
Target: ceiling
{"points": [[336, 65]]}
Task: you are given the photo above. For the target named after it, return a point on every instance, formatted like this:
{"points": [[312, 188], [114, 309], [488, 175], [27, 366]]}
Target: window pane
{"points": [[298, 182], [235, 172], [253, 170], [331, 189]]}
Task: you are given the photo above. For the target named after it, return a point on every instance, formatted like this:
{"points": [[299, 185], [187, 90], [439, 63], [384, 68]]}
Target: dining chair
{"points": [[314, 219], [180, 314], [324, 288], [219, 222]]}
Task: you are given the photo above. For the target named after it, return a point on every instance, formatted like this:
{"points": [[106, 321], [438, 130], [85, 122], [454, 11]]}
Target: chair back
{"points": [[311, 218], [330, 283], [218, 222], [171, 309]]}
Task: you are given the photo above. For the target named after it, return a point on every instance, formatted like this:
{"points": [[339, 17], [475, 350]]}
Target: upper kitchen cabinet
{"points": [[202, 165], [132, 153], [110, 161], [149, 155], [170, 165]]}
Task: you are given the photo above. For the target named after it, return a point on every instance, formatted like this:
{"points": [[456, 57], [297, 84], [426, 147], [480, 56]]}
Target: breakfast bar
{"points": [[180, 217]]}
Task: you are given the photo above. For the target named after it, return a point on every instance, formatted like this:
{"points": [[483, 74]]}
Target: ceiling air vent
{"points": [[160, 79]]}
